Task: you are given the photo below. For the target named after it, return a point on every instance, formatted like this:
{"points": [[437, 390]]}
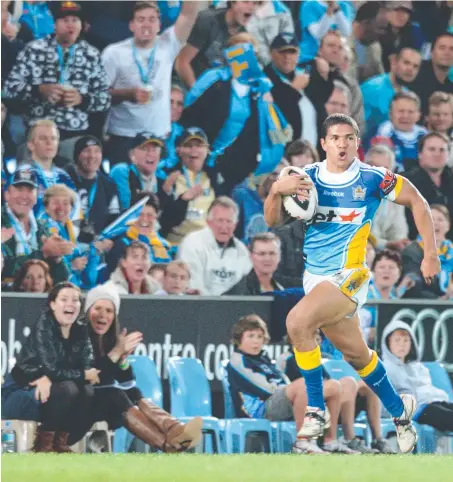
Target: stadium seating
{"points": [[148, 381], [238, 429], [427, 435], [190, 396]]}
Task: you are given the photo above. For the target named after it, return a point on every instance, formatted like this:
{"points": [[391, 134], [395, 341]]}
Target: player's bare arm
{"points": [[285, 186], [410, 197]]}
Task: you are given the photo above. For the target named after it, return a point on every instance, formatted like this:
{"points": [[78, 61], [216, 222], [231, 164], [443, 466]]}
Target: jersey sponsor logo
{"points": [[359, 193], [339, 215], [333, 193], [388, 183]]}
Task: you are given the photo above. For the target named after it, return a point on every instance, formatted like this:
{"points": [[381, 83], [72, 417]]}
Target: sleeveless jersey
{"points": [[336, 237]]}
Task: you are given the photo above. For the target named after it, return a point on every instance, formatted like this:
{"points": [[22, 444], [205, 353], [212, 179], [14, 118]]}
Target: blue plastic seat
{"points": [[236, 430], [149, 383], [427, 435], [190, 396]]}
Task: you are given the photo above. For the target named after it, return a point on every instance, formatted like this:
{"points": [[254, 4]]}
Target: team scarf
{"points": [[273, 129], [25, 243], [160, 249], [445, 253]]}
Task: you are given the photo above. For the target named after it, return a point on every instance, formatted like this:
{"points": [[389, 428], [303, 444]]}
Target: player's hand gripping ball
{"points": [[298, 206]]}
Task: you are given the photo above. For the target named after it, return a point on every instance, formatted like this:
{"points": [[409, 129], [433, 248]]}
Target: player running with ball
{"points": [[336, 277]]}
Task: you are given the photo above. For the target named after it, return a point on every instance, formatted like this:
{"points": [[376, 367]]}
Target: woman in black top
{"points": [[117, 399], [53, 375]]}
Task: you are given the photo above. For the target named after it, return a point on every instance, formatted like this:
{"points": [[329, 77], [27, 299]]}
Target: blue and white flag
{"points": [[122, 224]]}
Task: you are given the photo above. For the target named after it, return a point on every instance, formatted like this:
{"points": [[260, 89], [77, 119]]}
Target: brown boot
{"points": [[43, 441], [178, 436], [61, 443]]}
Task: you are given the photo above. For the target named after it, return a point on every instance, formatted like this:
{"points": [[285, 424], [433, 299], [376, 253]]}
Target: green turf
{"points": [[223, 468]]}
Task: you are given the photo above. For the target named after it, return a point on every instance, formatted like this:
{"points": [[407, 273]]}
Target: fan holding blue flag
{"points": [[246, 130]]}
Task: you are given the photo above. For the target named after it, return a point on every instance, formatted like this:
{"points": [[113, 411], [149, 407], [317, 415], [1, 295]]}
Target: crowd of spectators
{"points": [[189, 110]]}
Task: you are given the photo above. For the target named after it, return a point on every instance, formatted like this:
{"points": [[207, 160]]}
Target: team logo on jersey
{"points": [[339, 215], [358, 193], [388, 183]]}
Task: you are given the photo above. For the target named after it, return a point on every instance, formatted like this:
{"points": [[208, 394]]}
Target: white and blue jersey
{"points": [[336, 237]]}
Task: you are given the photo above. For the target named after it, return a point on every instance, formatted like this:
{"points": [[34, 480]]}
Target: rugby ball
{"points": [[295, 205]]}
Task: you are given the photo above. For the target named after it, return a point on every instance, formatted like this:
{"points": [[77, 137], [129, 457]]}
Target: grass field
{"points": [[225, 468]]}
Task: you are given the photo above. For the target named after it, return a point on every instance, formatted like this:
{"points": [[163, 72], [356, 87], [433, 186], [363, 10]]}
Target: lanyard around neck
{"points": [[144, 75], [64, 66]]}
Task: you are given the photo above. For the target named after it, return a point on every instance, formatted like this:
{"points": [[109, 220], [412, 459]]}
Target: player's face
{"points": [[440, 117], [434, 156], [252, 342], [340, 145], [441, 224], [265, 257], [386, 273], [400, 343], [404, 114]]}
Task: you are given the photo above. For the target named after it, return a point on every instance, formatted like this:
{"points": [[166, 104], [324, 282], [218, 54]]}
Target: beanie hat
{"points": [[84, 142], [103, 292]]}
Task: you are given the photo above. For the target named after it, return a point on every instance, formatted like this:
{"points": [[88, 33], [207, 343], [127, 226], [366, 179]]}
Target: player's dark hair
{"points": [[388, 254], [338, 119], [421, 142], [408, 95]]}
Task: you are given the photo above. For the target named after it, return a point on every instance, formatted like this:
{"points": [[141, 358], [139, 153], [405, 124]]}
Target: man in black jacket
{"points": [[292, 84], [265, 256]]}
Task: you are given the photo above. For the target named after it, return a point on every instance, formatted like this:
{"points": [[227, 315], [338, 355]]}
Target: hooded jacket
{"points": [[119, 282], [410, 376]]}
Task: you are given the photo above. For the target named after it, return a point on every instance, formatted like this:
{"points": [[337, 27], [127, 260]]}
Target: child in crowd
{"points": [[402, 129], [260, 390], [409, 375]]}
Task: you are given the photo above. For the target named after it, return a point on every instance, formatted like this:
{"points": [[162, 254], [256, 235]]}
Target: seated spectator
{"points": [[60, 89], [401, 32], [176, 279], [28, 240], [442, 285], [369, 24], [139, 75], [250, 196], [386, 285], [389, 229], [291, 235], [43, 139], [249, 137], [130, 276], [301, 153], [408, 375], [176, 108], [433, 74], [299, 93], [355, 397], [333, 50], [440, 117], [157, 271], [379, 91], [139, 174], [209, 37], [52, 379], [432, 177], [402, 129], [36, 21], [191, 183], [260, 390], [33, 277], [143, 229], [317, 18], [270, 19], [339, 101], [265, 257], [217, 259], [97, 192]]}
